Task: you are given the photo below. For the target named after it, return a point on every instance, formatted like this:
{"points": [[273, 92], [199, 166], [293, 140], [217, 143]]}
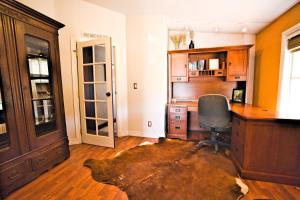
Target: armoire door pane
{"points": [[41, 84], [4, 136]]}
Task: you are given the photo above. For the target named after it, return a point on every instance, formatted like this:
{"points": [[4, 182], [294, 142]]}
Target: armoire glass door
{"points": [[38, 69], [9, 138], [40, 76]]}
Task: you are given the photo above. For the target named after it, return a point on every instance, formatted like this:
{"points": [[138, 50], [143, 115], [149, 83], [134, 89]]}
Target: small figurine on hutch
{"points": [[191, 45]]}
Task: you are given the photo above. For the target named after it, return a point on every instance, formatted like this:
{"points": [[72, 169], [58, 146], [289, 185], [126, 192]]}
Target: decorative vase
{"points": [[192, 45]]}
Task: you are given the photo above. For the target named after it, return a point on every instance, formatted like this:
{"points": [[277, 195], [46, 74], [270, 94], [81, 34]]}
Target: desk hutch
{"points": [[187, 84]]}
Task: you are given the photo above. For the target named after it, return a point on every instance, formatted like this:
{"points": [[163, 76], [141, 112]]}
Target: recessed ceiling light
{"points": [[244, 30], [216, 29]]}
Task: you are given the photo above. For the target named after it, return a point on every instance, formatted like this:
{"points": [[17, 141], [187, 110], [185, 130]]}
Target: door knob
{"points": [[108, 94]]}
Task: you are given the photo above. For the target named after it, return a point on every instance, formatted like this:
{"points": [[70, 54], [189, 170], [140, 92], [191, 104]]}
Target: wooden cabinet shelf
{"points": [[215, 72]]}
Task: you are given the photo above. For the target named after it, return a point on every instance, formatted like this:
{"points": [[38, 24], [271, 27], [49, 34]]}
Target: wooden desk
{"points": [[265, 145]]}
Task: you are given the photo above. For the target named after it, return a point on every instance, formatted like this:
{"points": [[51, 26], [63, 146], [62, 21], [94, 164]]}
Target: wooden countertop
{"points": [[246, 111]]}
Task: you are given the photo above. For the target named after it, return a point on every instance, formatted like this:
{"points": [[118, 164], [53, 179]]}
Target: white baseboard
{"points": [[74, 141], [122, 133], [145, 134]]}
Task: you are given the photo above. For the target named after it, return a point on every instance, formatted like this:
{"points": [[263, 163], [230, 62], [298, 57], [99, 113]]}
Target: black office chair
{"points": [[214, 114]]}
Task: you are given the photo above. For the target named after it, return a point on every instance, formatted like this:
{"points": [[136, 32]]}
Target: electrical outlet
{"points": [[149, 123]]}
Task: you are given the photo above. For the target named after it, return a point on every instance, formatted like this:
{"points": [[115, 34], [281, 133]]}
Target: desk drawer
{"points": [[178, 127], [14, 174], [238, 124], [178, 116], [47, 159], [178, 109], [179, 79], [237, 143]]}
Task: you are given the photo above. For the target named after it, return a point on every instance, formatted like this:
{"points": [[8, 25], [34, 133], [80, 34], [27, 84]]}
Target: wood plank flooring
{"points": [[71, 180]]}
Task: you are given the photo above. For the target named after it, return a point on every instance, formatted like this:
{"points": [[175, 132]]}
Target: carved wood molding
{"points": [[12, 13], [24, 13]]}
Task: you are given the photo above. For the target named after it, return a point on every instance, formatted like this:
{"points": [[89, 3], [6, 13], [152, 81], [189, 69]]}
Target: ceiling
{"points": [[227, 16]]}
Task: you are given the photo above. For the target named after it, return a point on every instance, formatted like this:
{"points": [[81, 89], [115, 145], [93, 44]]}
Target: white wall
{"points": [[141, 40], [80, 17], [46, 7], [202, 40], [147, 40]]}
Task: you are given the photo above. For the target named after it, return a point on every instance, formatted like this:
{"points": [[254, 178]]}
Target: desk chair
{"points": [[214, 114]]}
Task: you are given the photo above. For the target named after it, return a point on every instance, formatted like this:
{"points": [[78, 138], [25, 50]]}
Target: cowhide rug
{"points": [[170, 169]]}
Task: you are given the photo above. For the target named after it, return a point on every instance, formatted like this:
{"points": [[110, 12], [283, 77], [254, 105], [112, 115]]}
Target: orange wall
{"points": [[267, 58]]}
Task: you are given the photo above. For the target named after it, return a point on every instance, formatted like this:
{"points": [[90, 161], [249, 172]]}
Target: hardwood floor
{"points": [[71, 180]]}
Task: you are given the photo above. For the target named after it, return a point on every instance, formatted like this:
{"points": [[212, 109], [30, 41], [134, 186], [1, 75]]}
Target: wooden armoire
{"points": [[33, 135]]}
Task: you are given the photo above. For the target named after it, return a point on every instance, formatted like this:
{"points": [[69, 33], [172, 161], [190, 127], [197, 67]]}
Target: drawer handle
{"points": [[178, 79], [237, 77], [41, 160], [177, 127], [177, 110], [13, 175], [177, 117], [219, 72], [237, 134]]}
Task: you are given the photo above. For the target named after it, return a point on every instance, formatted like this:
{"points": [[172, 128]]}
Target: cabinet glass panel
{"points": [[40, 76], [4, 137]]}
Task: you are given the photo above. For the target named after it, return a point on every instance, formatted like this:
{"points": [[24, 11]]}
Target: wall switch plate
{"points": [[149, 123], [135, 86]]}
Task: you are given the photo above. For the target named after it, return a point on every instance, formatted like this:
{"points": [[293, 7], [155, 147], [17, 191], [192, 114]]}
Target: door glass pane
{"points": [[100, 53], [40, 76], [102, 127], [4, 137], [89, 92], [101, 91], [100, 74], [91, 126], [87, 53], [88, 73], [101, 110], [89, 109]]}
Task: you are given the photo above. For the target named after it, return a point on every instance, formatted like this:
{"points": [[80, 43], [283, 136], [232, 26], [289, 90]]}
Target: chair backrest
{"points": [[213, 110]]}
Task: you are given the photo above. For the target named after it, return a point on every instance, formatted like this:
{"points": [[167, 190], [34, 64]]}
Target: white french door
{"points": [[95, 91]]}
